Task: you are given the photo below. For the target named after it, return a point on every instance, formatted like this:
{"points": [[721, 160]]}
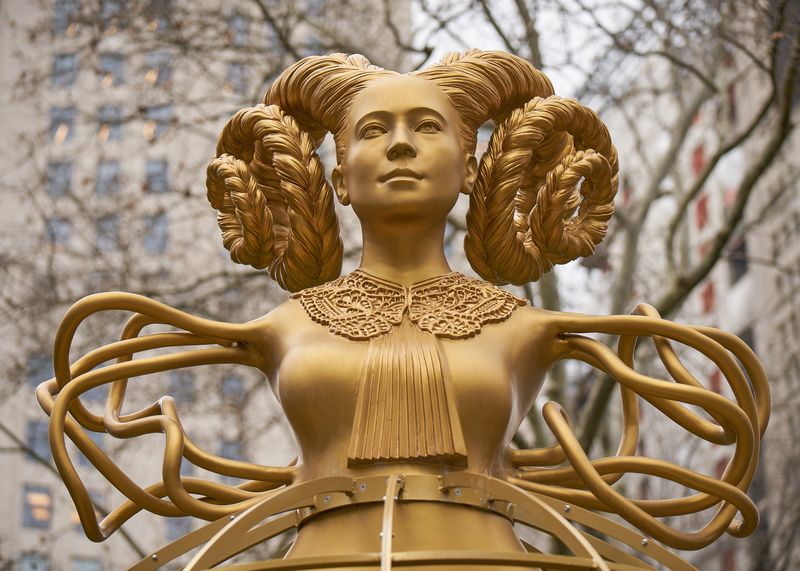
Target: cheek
{"points": [[449, 167], [357, 168]]}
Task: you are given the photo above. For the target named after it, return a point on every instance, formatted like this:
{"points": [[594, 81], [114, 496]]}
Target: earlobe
{"points": [[470, 174], [338, 185]]}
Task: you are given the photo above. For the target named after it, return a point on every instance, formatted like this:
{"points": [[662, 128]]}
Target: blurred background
{"points": [[110, 113]]}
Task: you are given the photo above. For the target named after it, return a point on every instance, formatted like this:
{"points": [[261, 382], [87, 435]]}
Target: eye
{"points": [[429, 127], [371, 131]]}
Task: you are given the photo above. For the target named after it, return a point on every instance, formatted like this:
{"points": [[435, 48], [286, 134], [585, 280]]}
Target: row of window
{"points": [[113, 15], [111, 69], [34, 561], [182, 385], [36, 440], [154, 238], [37, 500], [107, 179], [39, 449], [157, 71], [157, 121]]}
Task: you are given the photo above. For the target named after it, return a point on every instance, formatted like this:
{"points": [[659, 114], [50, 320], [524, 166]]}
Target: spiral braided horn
{"points": [[531, 210], [268, 183], [527, 212]]}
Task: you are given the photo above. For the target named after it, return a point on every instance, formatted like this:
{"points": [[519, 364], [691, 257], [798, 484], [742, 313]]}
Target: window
{"points": [[157, 176], [86, 564], [37, 508], [58, 230], [157, 120], [97, 394], [231, 449], [187, 468], [315, 8], [33, 562], [159, 68], [715, 381], [747, 336], [112, 13], [112, 67], [178, 527], [701, 212], [110, 117], [59, 178], [698, 159], [237, 30], [65, 68], [65, 16], [62, 124], [237, 77], [181, 385], [737, 260], [157, 14], [156, 233], [449, 235], [232, 389], [107, 181], [97, 499], [731, 100], [97, 438], [36, 439], [39, 369], [708, 295], [107, 233]]}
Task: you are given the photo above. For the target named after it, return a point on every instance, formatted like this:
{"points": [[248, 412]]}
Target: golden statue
{"points": [[404, 382]]}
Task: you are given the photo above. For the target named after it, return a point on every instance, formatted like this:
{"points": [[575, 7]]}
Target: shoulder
{"points": [[271, 328], [534, 330], [529, 321], [283, 317]]}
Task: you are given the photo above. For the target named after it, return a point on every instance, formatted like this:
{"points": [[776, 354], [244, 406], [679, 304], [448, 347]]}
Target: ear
{"points": [[470, 174], [338, 185]]}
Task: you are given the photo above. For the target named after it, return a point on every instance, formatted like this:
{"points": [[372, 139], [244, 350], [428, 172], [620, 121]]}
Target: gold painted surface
{"points": [[349, 358]]}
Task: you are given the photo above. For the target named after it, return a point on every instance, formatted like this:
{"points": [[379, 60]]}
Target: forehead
{"points": [[398, 95]]}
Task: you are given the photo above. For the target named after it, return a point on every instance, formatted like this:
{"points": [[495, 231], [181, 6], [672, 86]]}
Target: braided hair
{"points": [[543, 196]]}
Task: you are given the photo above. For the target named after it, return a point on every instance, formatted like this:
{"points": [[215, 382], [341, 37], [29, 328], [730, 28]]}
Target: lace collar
{"points": [[363, 306]]}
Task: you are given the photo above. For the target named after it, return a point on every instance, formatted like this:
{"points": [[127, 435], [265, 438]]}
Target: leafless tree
{"points": [[653, 68]]}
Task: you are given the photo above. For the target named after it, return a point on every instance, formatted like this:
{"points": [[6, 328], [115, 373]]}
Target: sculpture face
{"points": [[404, 157]]}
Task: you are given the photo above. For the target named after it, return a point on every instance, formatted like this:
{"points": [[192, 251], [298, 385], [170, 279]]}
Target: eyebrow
{"points": [[380, 114]]}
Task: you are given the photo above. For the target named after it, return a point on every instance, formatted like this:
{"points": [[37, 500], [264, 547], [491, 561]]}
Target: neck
{"points": [[404, 253]]}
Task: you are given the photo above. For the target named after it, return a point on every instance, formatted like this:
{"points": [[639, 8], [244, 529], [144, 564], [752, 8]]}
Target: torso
{"points": [[495, 376]]}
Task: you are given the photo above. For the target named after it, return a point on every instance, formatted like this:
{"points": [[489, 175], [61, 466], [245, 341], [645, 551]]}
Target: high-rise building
{"points": [[110, 112]]}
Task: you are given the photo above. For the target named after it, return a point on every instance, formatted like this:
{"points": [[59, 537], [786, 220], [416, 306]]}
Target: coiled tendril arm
{"points": [[588, 483], [174, 495]]}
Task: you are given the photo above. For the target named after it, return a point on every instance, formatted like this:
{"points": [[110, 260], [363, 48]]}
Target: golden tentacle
{"points": [[60, 398], [586, 482]]}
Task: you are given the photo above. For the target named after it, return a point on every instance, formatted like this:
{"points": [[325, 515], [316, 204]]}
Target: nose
{"points": [[401, 145]]}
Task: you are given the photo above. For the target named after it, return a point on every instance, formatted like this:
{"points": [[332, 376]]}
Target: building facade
{"points": [[111, 112]]}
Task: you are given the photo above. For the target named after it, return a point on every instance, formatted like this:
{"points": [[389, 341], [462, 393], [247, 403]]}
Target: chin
{"points": [[408, 209]]}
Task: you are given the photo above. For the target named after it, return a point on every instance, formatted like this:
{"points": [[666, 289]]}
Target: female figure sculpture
{"points": [[403, 381]]}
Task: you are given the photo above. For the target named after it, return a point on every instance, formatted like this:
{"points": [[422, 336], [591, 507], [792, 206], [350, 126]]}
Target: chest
{"points": [[321, 384]]}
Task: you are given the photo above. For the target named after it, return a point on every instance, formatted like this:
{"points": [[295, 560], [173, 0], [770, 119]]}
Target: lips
{"points": [[400, 173]]}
